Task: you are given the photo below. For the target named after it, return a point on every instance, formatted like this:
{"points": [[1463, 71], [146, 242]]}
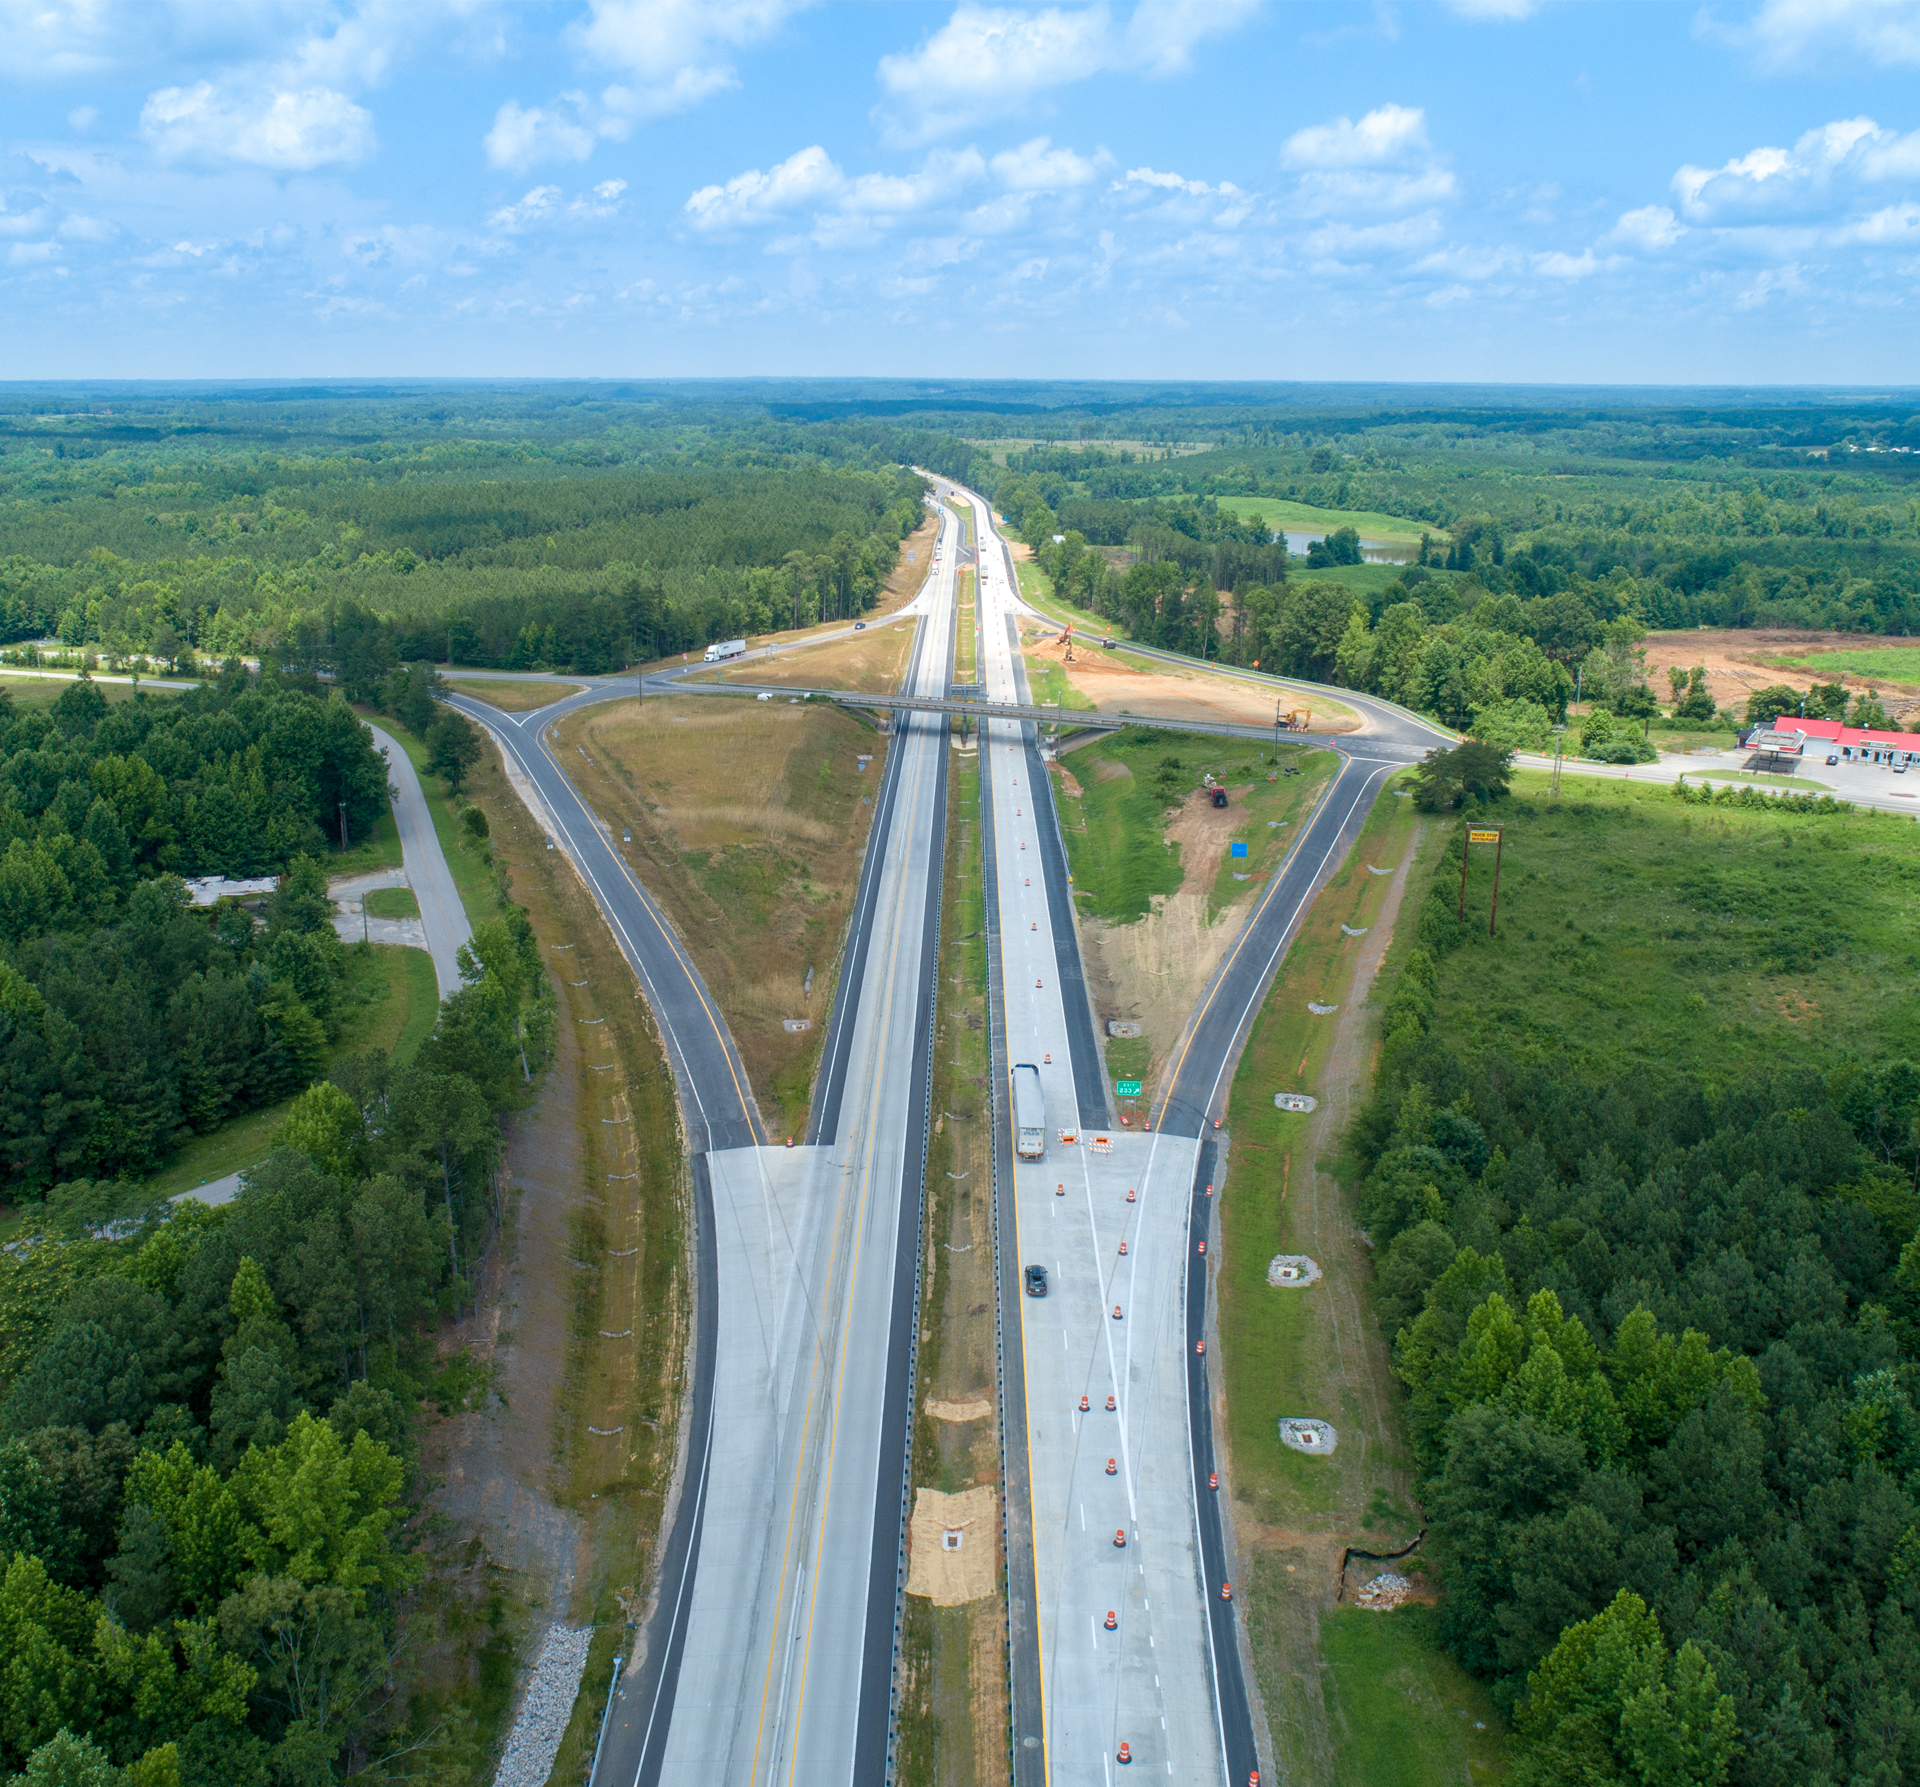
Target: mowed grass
{"points": [[391, 902], [44, 691], [1892, 663], [510, 697], [1638, 931], [390, 999], [1305, 518], [1351, 1697], [1115, 831], [1403, 1712], [749, 824]]}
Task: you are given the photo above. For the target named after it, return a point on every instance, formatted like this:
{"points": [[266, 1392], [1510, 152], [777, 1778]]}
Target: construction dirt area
{"points": [[1740, 660], [749, 823], [1150, 971], [1115, 682]]}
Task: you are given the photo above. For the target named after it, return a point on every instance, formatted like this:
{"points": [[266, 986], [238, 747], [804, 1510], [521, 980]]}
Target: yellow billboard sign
{"points": [[1483, 837]]}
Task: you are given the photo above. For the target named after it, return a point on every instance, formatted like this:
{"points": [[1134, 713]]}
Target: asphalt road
{"points": [[441, 913]]}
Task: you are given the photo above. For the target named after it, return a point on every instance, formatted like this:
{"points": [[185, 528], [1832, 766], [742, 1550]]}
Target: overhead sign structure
{"points": [[1482, 834], [1127, 1088]]}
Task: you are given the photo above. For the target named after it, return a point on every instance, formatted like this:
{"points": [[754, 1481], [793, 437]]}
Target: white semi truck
{"points": [[727, 648], [1029, 1112]]}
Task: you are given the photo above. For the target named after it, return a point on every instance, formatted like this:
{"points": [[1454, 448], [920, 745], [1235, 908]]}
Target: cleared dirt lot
{"points": [[1741, 660], [749, 822], [1114, 682]]}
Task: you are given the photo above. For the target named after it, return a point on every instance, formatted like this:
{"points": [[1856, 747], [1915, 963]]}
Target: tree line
{"points": [[1656, 1336]]}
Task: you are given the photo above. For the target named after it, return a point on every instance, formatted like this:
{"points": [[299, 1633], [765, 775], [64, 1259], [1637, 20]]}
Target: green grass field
{"points": [[1280, 514], [1361, 579], [1115, 830], [391, 902], [1404, 1713], [44, 691], [1894, 663], [1639, 931]]}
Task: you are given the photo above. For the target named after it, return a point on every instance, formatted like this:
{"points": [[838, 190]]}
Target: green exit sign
{"points": [[1127, 1088]]}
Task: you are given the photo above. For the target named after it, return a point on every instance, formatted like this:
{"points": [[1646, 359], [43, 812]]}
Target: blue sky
{"points": [[1482, 190]]}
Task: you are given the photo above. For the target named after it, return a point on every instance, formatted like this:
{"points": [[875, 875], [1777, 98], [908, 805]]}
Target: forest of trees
{"points": [[129, 1020], [1657, 1336]]}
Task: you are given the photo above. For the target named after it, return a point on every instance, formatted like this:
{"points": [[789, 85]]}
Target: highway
{"points": [[769, 1656]]}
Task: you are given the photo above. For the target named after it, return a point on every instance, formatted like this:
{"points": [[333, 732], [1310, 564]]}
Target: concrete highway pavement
{"points": [[770, 1653], [1112, 1325]]}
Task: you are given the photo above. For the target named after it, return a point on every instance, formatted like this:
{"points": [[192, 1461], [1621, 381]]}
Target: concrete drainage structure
{"points": [[1294, 1101], [1292, 1271], [1307, 1436]]}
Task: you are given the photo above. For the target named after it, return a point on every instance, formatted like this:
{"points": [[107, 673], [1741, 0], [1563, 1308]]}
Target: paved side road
{"points": [[441, 913]]}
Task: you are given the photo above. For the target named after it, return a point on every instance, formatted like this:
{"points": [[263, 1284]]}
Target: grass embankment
{"points": [[389, 1003], [581, 1325], [1350, 1696], [1362, 580], [953, 1703], [1048, 684], [1159, 891], [965, 633], [1116, 825], [1291, 517], [749, 824], [510, 697], [872, 662]]}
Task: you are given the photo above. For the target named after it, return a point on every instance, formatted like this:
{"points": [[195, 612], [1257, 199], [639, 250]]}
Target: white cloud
{"points": [[1389, 133], [1813, 178], [1400, 236], [807, 177], [673, 54], [524, 136], [1787, 35], [1460, 263], [812, 180], [1036, 166], [289, 132], [1559, 265], [23, 223], [992, 60], [1891, 225], [1322, 195], [1649, 229]]}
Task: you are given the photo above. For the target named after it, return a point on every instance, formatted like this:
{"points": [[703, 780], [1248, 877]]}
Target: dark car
{"points": [[1036, 1281], [859, 626], [1833, 759]]}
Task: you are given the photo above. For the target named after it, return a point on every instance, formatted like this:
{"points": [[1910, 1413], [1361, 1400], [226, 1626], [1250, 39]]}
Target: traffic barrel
{"points": [[1111, 1621], [1083, 1405], [1130, 1197], [1126, 1755], [1110, 1403], [1113, 1470], [1120, 1537], [1123, 1247], [1060, 1189], [1203, 1247], [1226, 1591], [1199, 1346], [789, 1141], [1216, 1123], [1213, 1479], [1116, 1312]]}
